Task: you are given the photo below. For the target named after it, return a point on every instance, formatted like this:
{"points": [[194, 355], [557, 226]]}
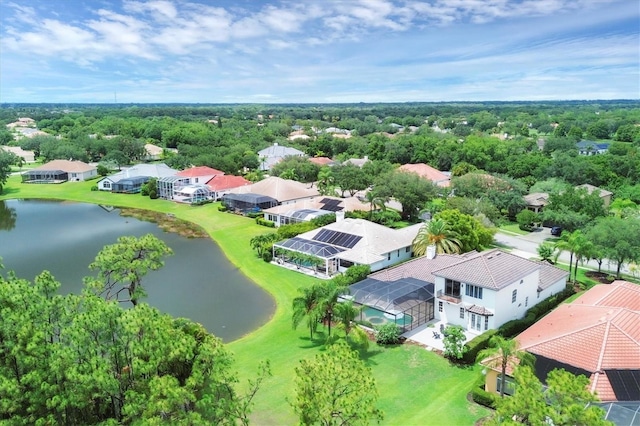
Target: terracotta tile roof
{"points": [[427, 172], [321, 161], [199, 171], [493, 269], [599, 331], [224, 182]]}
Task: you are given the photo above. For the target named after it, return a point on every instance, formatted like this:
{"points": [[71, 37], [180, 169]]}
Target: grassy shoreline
{"points": [[416, 387]]}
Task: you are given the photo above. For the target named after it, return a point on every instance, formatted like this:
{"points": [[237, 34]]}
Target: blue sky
{"points": [[326, 51]]}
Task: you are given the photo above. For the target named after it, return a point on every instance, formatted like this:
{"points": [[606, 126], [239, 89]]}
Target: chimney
{"points": [[339, 216], [431, 251]]}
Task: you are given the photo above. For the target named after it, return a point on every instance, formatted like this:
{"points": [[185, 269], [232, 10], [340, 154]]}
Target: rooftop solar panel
{"points": [[331, 208], [625, 384], [341, 239]]}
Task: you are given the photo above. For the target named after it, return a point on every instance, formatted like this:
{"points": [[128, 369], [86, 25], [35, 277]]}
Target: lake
{"points": [[197, 281]]}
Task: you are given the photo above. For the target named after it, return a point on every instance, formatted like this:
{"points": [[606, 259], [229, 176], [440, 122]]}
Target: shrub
{"points": [[514, 327], [222, 208], [475, 345], [267, 255], [264, 222], [324, 220], [388, 334], [254, 215], [482, 397], [94, 187]]}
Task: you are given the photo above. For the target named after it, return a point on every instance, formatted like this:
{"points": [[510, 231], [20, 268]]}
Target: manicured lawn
{"points": [[513, 228], [416, 387]]}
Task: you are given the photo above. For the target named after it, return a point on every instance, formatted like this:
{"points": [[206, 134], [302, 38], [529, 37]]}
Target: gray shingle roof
{"points": [[493, 269]]}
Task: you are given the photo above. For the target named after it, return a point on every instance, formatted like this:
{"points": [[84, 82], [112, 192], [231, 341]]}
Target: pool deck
{"points": [[424, 335]]}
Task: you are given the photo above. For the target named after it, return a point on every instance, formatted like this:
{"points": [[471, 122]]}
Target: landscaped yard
{"points": [[416, 387]]}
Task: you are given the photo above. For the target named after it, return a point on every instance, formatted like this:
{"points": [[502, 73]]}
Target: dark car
{"points": [[556, 231]]}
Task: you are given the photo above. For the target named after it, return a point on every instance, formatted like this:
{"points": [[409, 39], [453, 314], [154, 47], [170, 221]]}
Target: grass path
{"points": [[416, 387]]}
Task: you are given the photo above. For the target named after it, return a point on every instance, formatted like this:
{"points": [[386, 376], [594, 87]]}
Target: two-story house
{"points": [[485, 290]]}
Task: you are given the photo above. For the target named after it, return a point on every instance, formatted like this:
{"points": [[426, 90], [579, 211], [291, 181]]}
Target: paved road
{"points": [[527, 246]]}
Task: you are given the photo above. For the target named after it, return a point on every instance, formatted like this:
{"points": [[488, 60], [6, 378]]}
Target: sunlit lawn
{"points": [[416, 387], [513, 228]]}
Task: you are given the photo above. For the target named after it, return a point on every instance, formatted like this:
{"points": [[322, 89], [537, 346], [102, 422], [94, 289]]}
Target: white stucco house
{"points": [[484, 290], [110, 183], [345, 243]]}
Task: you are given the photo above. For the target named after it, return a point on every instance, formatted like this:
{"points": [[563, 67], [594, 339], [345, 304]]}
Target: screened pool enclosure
{"points": [[408, 302], [45, 176]]}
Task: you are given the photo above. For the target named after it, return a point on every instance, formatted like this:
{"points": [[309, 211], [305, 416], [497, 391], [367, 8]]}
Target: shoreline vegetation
{"points": [[416, 386], [166, 221]]}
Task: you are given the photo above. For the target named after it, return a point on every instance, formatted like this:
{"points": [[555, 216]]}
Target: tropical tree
{"points": [[567, 242], [471, 232], [306, 306], [121, 266], [329, 292], [263, 242], [375, 202], [325, 182], [618, 239], [346, 313], [454, 339], [7, 159], [583, 250], [504, 353], [335, 388], [436, 232], [545, 251]]}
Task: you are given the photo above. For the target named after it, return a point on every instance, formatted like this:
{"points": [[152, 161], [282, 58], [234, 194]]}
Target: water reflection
{"points": [[8, 217], [197, 281]]}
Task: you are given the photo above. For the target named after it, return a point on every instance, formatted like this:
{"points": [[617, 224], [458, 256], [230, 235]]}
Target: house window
{"points": [[398, 254], [106, 185], [452, 288], [526, 301], [439, 306], [509, 388], [473, 291], [514, 296], [196, 180], [461, 313], [407, 249], [486, 323], [389, 256]]}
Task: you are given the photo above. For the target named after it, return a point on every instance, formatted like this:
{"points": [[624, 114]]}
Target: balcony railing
{"points": [[457, 299]]}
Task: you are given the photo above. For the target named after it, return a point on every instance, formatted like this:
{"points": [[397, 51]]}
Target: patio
{"points": [[426, 334]]}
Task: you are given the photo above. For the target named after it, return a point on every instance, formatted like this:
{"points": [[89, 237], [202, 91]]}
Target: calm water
{"points": [[196, 282]]}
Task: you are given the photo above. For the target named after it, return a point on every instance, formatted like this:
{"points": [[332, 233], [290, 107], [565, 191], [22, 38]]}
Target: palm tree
{"points": [[569, 241], [504, 353], [583, 250], [346, 313], [435, 232], [375, 202], [325, 181], [330, 291], [306, 305]]}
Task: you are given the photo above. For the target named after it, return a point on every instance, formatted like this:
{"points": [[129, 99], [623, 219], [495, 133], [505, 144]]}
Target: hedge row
{"points": [[513, 328], [264, 222], [481, 396]]}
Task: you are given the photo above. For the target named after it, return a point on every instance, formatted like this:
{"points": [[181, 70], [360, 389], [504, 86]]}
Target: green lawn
{"points": [[416, 387], [513, 228]]}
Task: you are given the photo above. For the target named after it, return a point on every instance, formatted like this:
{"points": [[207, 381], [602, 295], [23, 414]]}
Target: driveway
{"points": [[527, 246]]}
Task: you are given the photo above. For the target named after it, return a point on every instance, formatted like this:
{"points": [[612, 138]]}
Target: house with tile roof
{"points": [[597, 335], [272, 155], [480, 291], [425, 171], [485, 290], [348, 242], [58, 171], [199, 175], [226, 184], [284, 190], [604, 195]]}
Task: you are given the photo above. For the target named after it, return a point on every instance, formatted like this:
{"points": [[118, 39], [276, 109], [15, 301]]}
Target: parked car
{"points": [[556, 231]]}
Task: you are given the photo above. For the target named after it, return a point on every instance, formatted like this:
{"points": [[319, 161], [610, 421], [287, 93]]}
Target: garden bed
{"points": [[601, 277]]}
